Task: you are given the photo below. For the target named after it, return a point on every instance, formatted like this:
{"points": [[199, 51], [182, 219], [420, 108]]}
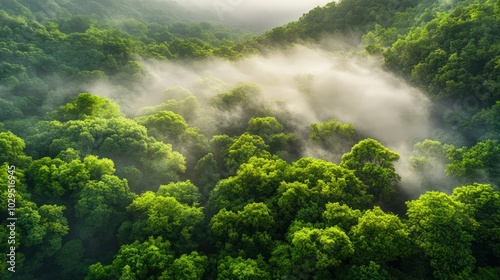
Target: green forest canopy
{"points": [[104, 195]]}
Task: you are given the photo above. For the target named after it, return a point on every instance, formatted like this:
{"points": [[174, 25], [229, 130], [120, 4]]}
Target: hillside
{"points": [[360, 141]]}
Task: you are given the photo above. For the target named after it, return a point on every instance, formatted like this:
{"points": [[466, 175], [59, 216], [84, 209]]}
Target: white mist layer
{"points": [[254, 14], [316, 86]]}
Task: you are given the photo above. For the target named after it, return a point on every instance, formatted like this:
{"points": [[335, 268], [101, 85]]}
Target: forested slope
{"points": [[220, 185]]}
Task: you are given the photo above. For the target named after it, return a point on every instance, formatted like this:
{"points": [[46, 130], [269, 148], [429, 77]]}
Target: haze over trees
{"points": [[119, 177]]}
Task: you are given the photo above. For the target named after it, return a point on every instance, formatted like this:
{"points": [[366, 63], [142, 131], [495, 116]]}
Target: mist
{"points": [[255, 15], [315, 85]]}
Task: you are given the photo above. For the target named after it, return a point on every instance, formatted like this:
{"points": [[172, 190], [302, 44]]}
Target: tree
{"points": [[311, 252], [205, 175], [379, 237], [87, 105], [242, 269], [428, 161], [243, 148], [483, 204], [442, 229], [272, 132], [99, 206], [139, 260], [247, 230], [373, 164], [372, 271], [11, 150], [41, 235], [340, 215], [329, 183], [9, 111], [184, 192], [53, 178], [164, 125], [256, 181], [187, 267], [480, 163], [333, 135], [157, 215]]}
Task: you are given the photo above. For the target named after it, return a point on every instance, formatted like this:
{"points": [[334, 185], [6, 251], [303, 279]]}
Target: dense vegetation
{"points": [[217, 187]]}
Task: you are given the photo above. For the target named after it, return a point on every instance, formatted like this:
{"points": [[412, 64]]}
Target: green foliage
{"points": [[312, 252], [238, 268], [9, 111], [184, 192], [248, 202], [373, 164], [480, 163], [187, 267], [243, 148], [442, 228], [137, 260], [11, 150], [379, 236], [205, 175], [483, 202], [87, 105], [119, 139], [164, 125], [330, 129], [341, 216], [247, 230], [285, 145], [372, 271], [157, 215], [256, 181], [453, 57], [100, 205]]}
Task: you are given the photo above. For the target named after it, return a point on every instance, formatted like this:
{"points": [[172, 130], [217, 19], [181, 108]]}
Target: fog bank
{"points": [[256, 15]]}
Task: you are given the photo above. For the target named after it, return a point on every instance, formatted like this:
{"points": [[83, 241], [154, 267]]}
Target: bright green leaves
{"points": [[120, 139], [480, 163], [341, 216], [242, 269], [41, 235], [100, 205], [312, 251], [442, 228], [187, 267], [379, 236], [326, 130], [256, 181], [157, 215], [11, 150], [372, 271], [294, 196], [53, 177], [45, 224], [373, 164], [320, 248], [333, 136], [147, 260], [184, 192], [164, 125], [483, 203], [171, 128], [285, 145], [246, 230], [243, 148], [264, 126], [328, 182], [86, 105]]}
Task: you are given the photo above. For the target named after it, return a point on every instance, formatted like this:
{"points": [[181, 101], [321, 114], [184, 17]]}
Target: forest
{"points": [[140, 141]]}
